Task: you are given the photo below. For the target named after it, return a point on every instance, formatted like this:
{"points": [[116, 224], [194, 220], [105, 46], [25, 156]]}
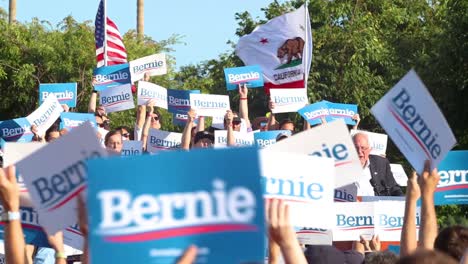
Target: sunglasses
{"points": [[155, 118], [127, 135], [236, 123]]}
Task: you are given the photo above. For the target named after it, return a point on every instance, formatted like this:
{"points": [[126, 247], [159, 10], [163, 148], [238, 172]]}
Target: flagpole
{"points": [[306, 44], [104, 46]]}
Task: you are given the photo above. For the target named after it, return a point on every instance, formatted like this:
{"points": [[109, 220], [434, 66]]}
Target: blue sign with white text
{"points": [[453, 184], [314, 113], [72, 120], [65, 92], [110, 76], [16, 130], [342, 111], [250, 75], [265, 138], [154, 218], [178, 101], [180, 118]]}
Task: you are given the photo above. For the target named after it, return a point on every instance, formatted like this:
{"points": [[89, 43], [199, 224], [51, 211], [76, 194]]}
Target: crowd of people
{"points": [[447, 246]]}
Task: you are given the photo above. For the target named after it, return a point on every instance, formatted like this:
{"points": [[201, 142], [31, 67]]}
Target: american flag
{"points": [[113, 50]]}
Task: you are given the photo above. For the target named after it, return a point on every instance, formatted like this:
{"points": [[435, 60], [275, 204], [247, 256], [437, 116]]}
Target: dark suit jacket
{"points": [[382, 176]]}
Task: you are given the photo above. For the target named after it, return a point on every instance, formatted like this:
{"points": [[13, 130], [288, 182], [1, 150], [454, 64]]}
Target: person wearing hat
{"points": [[202, 139]]}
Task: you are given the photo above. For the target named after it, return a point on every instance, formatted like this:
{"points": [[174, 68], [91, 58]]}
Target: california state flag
{"points": [[283, 49]]}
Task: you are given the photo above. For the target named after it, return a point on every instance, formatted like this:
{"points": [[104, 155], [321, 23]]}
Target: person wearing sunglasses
{"points": [[377, 178], [126, 133]]}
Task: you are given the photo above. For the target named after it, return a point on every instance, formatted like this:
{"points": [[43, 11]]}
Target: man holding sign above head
{"points": [[202, 139], [377, 178]]}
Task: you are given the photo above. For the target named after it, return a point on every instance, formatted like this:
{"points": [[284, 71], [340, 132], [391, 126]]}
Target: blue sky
{"points": [[206, 24]]}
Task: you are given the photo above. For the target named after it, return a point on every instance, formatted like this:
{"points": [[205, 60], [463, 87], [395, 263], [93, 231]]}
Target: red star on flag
{"points": [[264, 41]]}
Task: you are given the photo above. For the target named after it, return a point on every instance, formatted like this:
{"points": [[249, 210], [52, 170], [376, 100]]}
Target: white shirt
{"points": [[363, 184]]}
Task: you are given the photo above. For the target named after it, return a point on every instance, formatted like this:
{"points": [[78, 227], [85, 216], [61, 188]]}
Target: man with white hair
{"points": [[377, 178]]}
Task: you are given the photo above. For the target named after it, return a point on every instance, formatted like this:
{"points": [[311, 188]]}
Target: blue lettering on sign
{"points": [[354, 221], [43, 118], [152, 94], [123, 96], [342, 194], [55, 188], [418, 127], [337, 152], [164, 143], [205, 104], [148, 66], [395, 221], [292, 188]]}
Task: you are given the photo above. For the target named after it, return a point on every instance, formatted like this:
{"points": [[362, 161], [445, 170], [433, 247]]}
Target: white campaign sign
{"points": [[331, 140], [308, 188], [153, 65], [353, 220], [46, 115], [412, 119], [73, 237], [148, 91], [315, 236], [54, 180], [132, 148], [162, 140], [377, 141], [288, 100], [399, 174], [388, 219], [242, 138], [210, 104], [117, 98]]}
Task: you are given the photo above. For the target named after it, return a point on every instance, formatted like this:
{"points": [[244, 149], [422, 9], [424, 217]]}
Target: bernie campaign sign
{"points": [[314, 113], [16, 130], [110, 76], [71, 120], [148, 91], [65, 92], [155, 223], [46, 115], [266, 138], [55, 183], [414, 122], [178, 101], [288, 100], [453, 184], [153, 65], [249, 75]]}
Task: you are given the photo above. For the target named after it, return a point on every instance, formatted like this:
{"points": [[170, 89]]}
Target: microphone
{"points": [[387, 189], [373, 184]]}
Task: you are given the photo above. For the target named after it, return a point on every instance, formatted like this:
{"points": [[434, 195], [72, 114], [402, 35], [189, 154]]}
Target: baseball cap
{"points": [[201, 135]]}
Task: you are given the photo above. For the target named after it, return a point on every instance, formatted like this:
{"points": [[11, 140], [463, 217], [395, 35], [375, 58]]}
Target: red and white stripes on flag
{"points": [[110, 49]]}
